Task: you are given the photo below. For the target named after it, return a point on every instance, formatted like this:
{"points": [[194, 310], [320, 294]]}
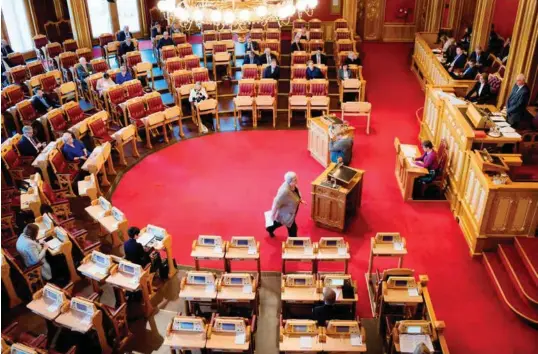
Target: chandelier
{"points": [[238, 14]]}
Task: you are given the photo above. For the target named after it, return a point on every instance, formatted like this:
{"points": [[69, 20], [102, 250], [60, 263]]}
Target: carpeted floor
{"points": [[222, 183]]}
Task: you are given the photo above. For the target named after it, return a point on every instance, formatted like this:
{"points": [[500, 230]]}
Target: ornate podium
{"points": [[336, 194]]}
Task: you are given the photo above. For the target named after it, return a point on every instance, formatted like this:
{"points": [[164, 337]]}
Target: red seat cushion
{"points": [[12, 159]]}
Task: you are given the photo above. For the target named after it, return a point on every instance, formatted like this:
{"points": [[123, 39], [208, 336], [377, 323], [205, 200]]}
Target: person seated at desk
{"points": [[481, 91], [174, 28], [352, 59], [134, 251], [480, 58], [313, 72], [459, 61], [166, 40], [468, 74], [123, 35], [344, 73], [428, 160], [73, 149], [303, 34], [251, 58], [104, 83], [29, 145], [251, 46], [328, 310], [32, 252], [296, 45], [266, 57], [319, 58], [272, 71], [340, 147], [83, 71], [41, 103], [123, 75], [197, 95]]}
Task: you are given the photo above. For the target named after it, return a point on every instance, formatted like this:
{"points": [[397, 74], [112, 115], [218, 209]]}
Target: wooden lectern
{"points": [[318, 137], [332, 206]]}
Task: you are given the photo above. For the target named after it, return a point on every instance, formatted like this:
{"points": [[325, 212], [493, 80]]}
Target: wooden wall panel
{"points": [[398, 32], [374, 16]]}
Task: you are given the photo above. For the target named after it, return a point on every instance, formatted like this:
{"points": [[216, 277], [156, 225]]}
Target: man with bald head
{"points": [[517, 102], [328, 310]]}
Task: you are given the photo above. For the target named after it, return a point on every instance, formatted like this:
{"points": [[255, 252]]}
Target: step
{"points": [[506, 290], [518, 272], [528, 250]]}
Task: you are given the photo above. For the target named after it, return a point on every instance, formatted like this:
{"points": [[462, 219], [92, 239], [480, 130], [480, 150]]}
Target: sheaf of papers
{"points": [[408, 150], [308, 251], [210, 288], [342, 251], [54, 243], [240, 338], [337, 292], [498, 118], [412, 292], [268, 218], [356, 340], [398, 246], [502, 124], [217, 249], [52, 308], [305, 342], [507, 130], [145, 238], [252, 250], [95, 269], [512, 135], [408, 342], [247, 289]]}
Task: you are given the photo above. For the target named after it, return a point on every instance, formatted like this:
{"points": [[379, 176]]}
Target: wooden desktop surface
{"points": [[235, 293], [195, 292], [73, 321], [185, 340], [89, 269], [387, 249], [225, 341], [297, 254], [26, 199], [202, 252], [123, 281], [300, 294], [338, 343], [41, 307], [331, 253], [109, 223], [401, 296], [95, 211], [344, 190], [292, 343], [240, 253]]}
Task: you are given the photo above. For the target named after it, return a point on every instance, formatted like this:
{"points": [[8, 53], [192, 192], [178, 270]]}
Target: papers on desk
{"points": [[308, 251], [507, 130], [85, 320], [398, 246], [342, 251], [240, 338], [210, 288], [305, 342], [408, 150], [512, 135], [497, 118], [145, 238], [502, 123], [217, 249], [54, 243], [96, 269], [412, 291], [356, 339], [252, 250], [247, 289], [408, 342], [268, 218], [53, 307], [436, 51]]}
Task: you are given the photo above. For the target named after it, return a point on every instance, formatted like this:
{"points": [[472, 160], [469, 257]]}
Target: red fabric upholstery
{"points": [[18, 76], [99, 130], [36, 69], [62, 167], [57, 122], [68, 61], [100, 66], [17, 59], [135, 90], [200, 76], [173, 66], [15, 95], [298, 90], [54, 50], [184, 51], [192, 63], [49, 193], [12, 159], [180, 80], [299, 59], [247, 89], [250, 73], [299, 73], [117, 95], [256, 36], [316, 35], [168, 53], [48, 83], [137, 110], [272, 45], [342, 35], [75, 114], [210, 37], [494, 84], [272, 35], [226, 36], [105, 39], [345, 47], [318, 89], [71, 46], [133, 60], [40, 42], [266, 90], [219, 48], [28, 113], [155, 104]]}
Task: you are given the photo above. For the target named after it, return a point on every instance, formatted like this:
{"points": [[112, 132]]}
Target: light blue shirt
{"points": [[30, 251]]}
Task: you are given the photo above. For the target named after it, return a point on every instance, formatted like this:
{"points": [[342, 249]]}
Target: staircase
{"points": [[513, 268]]}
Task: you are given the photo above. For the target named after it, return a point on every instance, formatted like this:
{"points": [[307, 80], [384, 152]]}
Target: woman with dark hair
{"points": [[428, 160], [32, 252]]}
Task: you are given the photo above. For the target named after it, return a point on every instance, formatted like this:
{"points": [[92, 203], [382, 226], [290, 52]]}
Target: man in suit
{"points": [[156, 30], [344, 73], [6, 49], [174, 28], [340, 147], [83, 71], [272, 71], [40, 102], [319, 58], [459, 60], [28, 145], [126, 47], [480, 58], [313, 72], [481, 91], [123, 35], [296, 45], [469, 73], [352, 59], [516, 106], [166, 40], [267, 56], [251, 58], [134, 251], [251, 46], [328, 310]]}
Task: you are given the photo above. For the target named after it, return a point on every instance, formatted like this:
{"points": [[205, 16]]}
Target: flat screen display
{"points": [[401, 283], [228, 327], [186, 325], [300, 281], [209, 241], [242, 242], [236, 281], [298, 242], [342, 329], [199, 279]]}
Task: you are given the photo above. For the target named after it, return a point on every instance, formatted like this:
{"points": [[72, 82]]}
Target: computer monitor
{"points": [[400, 283], [61, 234], [300, 329], [47, 221], [298, 243], [228, 327], [300, 281], [198, 279], [100, 259], [209, 241], [236, 281], [242, 242], [342, 329], [117, 214], [105, 204], [331, 243]]}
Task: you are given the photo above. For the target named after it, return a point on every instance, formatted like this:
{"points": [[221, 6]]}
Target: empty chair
{"points": [[319, 99], [104, 39], [357, 109], [70, 45], [298, 100], [266, 98], [221, 57], [249, 71], [244, 100], [184, 50]]}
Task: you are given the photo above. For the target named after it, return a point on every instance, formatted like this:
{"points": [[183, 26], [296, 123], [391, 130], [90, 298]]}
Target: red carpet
{"points": [[221, 184]]}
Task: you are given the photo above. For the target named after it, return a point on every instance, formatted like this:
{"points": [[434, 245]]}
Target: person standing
{"points": [[340, 147], [286, 205], [517, 101]]}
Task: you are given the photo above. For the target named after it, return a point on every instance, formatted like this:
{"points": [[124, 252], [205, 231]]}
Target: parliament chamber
{"points": [[144, 143]]}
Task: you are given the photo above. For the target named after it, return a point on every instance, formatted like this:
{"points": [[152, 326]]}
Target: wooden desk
{"points": [[30, 201], [123, 137], [166, 245], [298, 298], [342, 343], [406, 171], [96, 273], [225, 342], [125, 282], [207, 253], [117, 229], [401, 296], [242, 254], [184, 341], [318, 139], [291, 343], [66, 248], [14, 299], [192, 294], [96, 212], [331, 208], [378, 249], [333, 254], [41, 162], [44, 308], [100, 161]]}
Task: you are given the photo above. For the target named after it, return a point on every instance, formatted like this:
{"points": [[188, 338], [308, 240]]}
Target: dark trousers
{"points": [[292, 230]]}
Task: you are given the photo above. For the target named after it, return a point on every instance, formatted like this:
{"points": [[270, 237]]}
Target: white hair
{"points": [[290, 176], [65, 137], [27, 129]]}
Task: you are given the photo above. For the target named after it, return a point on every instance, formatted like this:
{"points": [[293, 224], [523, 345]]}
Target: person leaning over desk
{"points": [[340, 146], [286, 205], [134, 251]]}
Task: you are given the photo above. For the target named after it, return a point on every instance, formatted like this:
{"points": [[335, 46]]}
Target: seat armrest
{"points": [[33, 268], [9, 332], [92, 246]]}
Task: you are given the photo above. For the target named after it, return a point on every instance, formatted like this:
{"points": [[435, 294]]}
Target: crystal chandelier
{"points": [[236, 14]]}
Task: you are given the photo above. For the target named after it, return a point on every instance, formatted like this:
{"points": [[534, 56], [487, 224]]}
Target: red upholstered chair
{"points": [[495, 81], [342, 34], [40, 41], [168, 51], [133, 88], [13, 94], [114, 96], [17, 75], [84, 52], [299, 57], [154, 102], [273, 34], [298, 71], [31, 275], [221, 57], [257, 25], [35, 68], [16, 58], [225, 35], [257, 34], [191, 61], [182, 83], [202, 75], [49, 84], [133, 58], [244, 100], [249, 71], [16, 165], [314, 24], [67, 61], [99, 65], [266, 98], [319, 96], [70, 45], [273, 25], [104, 39], [66, 173], [171, 65], [27, 113], [344, 46], [56, 199], [73, 112], [340, 23], [298, 100], [298, 24], [184, 49], [57, 122], [179, 38], [136, 110], [52, 50]]}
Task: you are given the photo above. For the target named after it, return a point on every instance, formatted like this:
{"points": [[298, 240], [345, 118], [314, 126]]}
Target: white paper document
{"points": [[217, 249], [252, 250], [356, 339], [247, 289], [507, 130], [305, 342], [398, 246], [342, 251], [52, 308], [408, 342], [408, 150], [210, 288], [512, 135], [412, 291], [145, 238], [240, 338], [308, 251], [502, 123], [54, 243], [268, 218], [498, 118]]}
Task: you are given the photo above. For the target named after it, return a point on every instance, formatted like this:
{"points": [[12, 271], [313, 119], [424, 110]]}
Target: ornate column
{"points": [[374, 16], [434, 12], [58, 9], [482, 23], [350, 14], [80, 23], [523, 58]]}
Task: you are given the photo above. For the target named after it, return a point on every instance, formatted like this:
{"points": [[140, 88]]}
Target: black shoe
{"points": [[271, 234]]}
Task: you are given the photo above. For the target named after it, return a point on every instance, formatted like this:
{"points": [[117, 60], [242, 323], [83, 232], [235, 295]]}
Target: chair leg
{"points": [[198, 121], [289, 117], [368, 125], [148, 138], [274, 117], [217, 118]]}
